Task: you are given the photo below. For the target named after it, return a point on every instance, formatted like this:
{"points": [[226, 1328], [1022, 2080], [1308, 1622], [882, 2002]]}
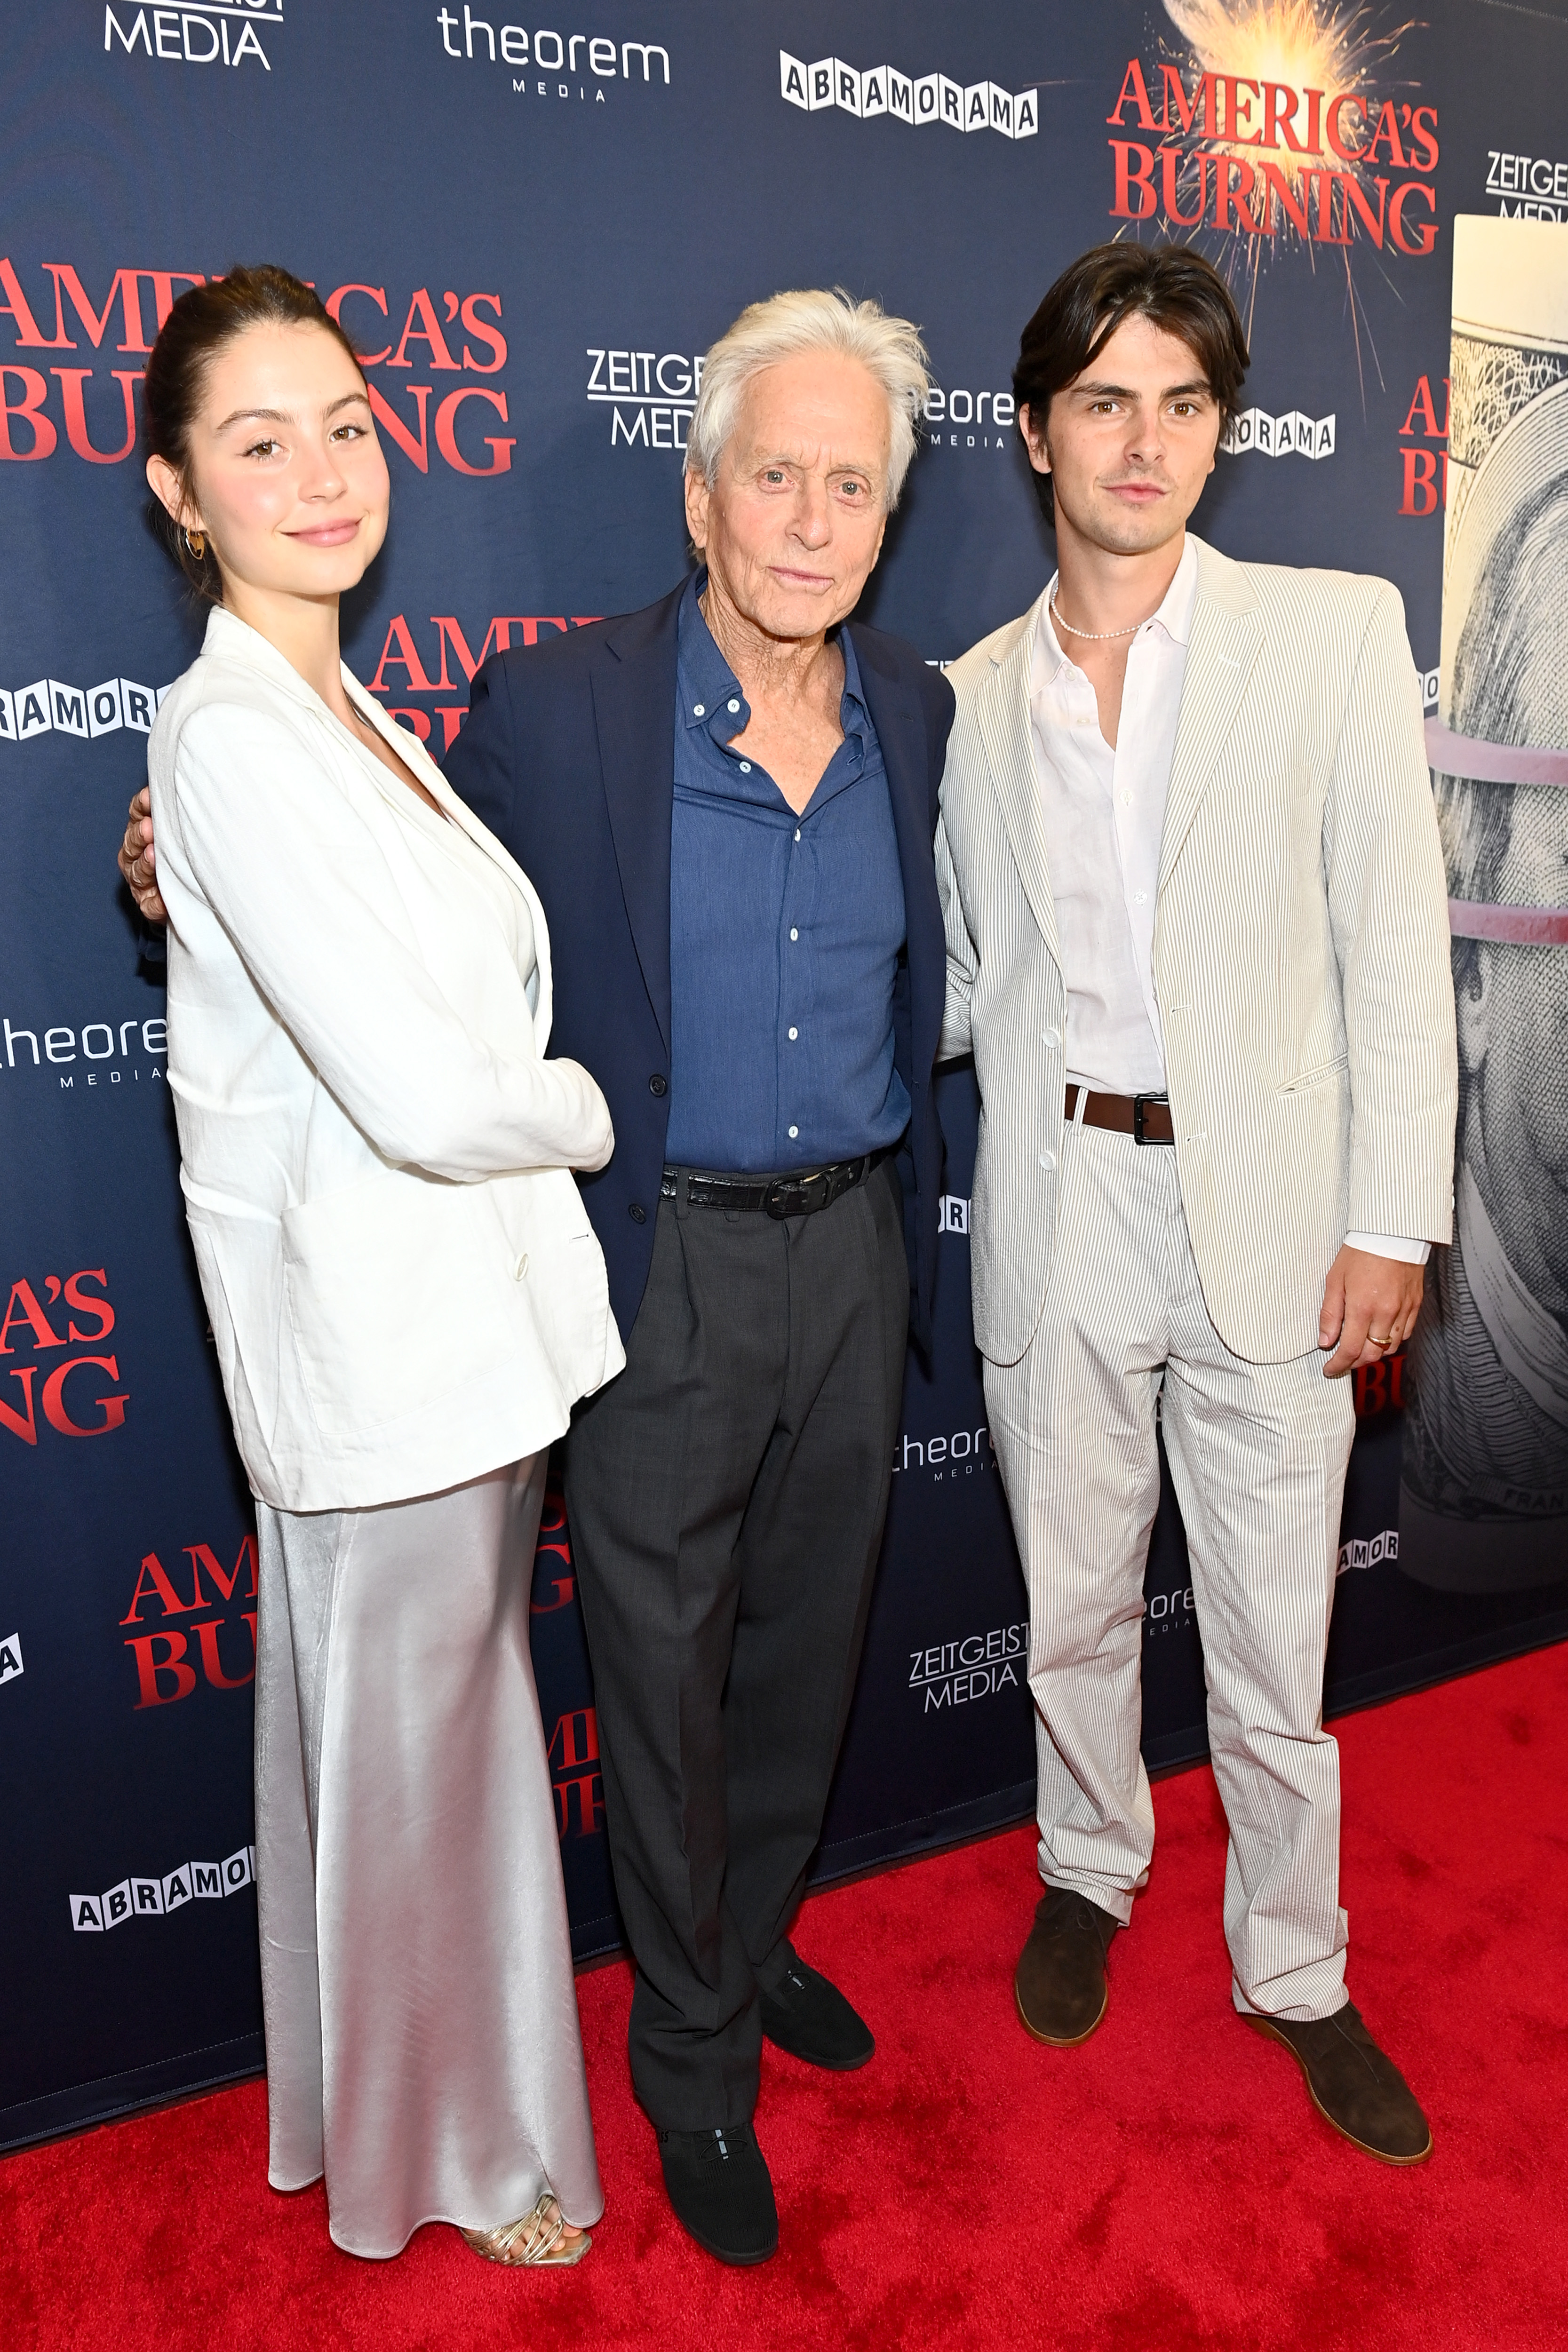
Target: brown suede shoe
{"points": [[1361, 2093], [1061, 1987]]}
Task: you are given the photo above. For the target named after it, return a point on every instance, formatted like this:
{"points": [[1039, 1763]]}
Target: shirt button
{"points": [[745, 767], [792, 1133], [1051, 1036], [520, 1268], [797, 833], [658, 1084], [1047, 1159], [700, 711], [1141, 897], [795, 1032], [638, 1213], [735, 706], [795, 935], [1126, 800]]}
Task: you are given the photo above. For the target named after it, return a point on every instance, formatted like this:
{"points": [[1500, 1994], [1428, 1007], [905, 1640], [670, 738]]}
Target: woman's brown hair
{"points": [[1170, 285], [200, 323]]}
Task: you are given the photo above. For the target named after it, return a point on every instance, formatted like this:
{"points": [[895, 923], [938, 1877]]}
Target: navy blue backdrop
{"points": [[533, 233]]}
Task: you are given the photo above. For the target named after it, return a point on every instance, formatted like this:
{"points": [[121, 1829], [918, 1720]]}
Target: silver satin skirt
{"points": [[423, 2050]]}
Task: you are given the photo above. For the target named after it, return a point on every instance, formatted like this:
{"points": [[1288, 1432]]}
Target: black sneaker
{"points": [[811, 2019], [718, 2183]]}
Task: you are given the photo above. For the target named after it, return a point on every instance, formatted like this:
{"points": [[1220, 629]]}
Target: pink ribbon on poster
{"points": [[1531, 927], [1492, 763]]}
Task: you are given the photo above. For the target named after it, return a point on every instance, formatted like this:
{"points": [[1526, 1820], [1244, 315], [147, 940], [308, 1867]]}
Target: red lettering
{"points": [[1278, 117], [1424, 141], [35, 391], [112, 1407], [1324, 231], [574, 1741], [1232, 87], [1225, 194], [100, 1307], [334, 310], [447, 435], [589, 1789], [1277, 185], [1346, 154], [1371, 1388], [71, 382], [1420, 482], [149, 1666], [127, 288], [487, 334], [1171, 161], [1422, 406], [1130, 175], [152, 1584], [1134, 91], [1387, 129], [16, 306], [164, 284], [202, 1556], [416, 452], [1425, 232], [211, 1666], [451, 719], [1201, 110], [421, 327], [24, 1307], [1355, 196], [419, 722], [401, 653], [27, 1431]]}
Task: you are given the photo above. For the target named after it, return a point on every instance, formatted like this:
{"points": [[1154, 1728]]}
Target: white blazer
{"points": [[402, 1284], [1300, 955]]}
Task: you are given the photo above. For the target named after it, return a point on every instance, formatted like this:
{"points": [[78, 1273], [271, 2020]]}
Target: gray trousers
{"points": [[726, 1497], [422, 2039], [1257, 1454]]}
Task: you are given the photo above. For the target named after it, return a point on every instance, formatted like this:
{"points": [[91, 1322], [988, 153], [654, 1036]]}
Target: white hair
{"points": [[813, 321]]}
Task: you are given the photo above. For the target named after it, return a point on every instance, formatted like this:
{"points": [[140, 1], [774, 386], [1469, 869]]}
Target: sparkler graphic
{"points": [[1305, 46]]}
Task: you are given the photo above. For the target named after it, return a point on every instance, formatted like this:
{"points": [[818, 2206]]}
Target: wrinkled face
{"points": [[1129, 443], [290, 484], [793, 525]]}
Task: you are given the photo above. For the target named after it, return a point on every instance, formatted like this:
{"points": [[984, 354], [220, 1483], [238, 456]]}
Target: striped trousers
{"points": [[1257, 1454]]}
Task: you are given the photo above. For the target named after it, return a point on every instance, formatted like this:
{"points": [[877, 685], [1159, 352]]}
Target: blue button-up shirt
{"points": [[784, 935]]}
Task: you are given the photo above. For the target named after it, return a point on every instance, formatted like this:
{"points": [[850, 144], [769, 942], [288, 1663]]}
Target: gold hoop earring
{"points": [[196, 541]]}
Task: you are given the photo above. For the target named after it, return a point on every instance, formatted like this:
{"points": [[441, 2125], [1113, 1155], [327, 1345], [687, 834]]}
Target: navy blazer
{"points": [[568, 755]]}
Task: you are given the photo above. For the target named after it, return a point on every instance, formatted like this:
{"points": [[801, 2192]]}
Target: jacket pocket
{"points": [[398, 1292], [547, 1233], [1319, 1075]]}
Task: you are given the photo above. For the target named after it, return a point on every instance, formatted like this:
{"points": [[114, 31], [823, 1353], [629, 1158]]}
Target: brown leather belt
{"points": [[1145, 1118]]}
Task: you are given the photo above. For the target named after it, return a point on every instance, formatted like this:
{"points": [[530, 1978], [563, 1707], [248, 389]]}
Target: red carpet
{"points": [[1166, 2186]]}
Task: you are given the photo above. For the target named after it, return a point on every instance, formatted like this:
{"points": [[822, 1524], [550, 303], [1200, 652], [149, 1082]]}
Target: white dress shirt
{"points": [[1105, 815]]}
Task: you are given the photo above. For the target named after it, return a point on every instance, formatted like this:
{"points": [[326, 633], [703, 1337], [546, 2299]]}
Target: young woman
{"points": [[406, 1299]]}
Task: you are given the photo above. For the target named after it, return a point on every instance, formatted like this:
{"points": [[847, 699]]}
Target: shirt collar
{"points": [[1173, 617], [707, 685]]}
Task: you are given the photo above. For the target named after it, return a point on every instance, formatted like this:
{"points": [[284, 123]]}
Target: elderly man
{"points": [[727, 804]]}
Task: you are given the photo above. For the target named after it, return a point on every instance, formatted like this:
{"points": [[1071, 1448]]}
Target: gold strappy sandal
{"points": [[539, 2239]]}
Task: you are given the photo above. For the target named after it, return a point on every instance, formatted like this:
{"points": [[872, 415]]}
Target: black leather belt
{"points": [[798, 1194], [1145, 1118]]}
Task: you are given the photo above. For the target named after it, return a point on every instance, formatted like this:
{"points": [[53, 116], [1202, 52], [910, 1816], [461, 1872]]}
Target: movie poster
{"points": [[1485, 1502]]}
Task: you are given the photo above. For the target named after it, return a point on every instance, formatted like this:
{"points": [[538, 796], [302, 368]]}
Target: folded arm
{"points": [[297, 880]]}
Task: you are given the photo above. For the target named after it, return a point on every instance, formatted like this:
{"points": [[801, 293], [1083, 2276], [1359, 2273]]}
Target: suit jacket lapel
{"points": [[634, 707], [1007, 731], [1226, 635]]}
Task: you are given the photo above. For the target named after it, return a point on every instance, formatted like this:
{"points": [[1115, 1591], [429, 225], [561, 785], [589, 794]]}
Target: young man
{"points": [[1197, 944]]}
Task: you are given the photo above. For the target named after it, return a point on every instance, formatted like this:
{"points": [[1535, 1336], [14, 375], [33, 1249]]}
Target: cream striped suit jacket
{"points": [[1300, 955]]}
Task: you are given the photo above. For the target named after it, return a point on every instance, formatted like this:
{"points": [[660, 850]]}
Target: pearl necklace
{"points": [[1099, 636]]}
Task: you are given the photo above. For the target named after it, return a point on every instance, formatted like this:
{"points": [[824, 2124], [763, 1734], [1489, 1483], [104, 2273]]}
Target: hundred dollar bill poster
{"points": [[1484, 1501]]}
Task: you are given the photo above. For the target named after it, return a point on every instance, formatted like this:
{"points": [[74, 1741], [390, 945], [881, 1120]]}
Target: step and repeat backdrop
{"points": [[534, 224]]}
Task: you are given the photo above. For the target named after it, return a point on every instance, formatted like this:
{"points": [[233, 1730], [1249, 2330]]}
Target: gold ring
{"points": [[1376, 1342]]}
